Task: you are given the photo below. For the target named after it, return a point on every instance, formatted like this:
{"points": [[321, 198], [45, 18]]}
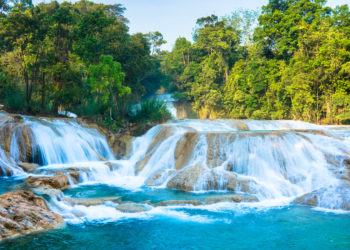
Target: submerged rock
{"points": [[178, 202], [231, 198], [90, 201], [55, 182], [132, 207], [22, 212], [47, 191]]}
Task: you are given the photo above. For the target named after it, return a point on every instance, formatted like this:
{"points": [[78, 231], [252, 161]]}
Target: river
{"points": [[230, 183]]}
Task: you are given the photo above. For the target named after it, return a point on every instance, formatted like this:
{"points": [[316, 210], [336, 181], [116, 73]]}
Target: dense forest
{"points": [[291, 60], [295, 64], [78, 57]]}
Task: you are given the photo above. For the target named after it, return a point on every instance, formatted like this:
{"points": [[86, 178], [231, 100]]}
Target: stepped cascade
{"points": [[259, 161]]}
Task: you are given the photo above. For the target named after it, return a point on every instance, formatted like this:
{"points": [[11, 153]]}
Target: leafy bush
{"points": [[150, 111], [13, 98]]}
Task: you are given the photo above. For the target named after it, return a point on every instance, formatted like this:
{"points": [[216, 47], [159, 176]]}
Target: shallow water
{"points": [[223, 225], [292, 227]]}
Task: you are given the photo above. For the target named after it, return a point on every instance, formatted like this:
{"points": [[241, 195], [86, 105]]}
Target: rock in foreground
{"points": [[22, 212], [59, 181]]}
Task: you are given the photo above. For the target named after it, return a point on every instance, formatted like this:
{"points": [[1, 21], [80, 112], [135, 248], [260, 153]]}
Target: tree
{"points": [[156, 39], [105, 79]]}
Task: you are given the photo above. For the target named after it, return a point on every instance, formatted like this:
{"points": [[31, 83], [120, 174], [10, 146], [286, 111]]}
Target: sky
{"points": [[175, 18]]}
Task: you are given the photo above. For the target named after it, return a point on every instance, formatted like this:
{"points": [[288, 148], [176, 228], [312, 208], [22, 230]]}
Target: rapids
{"points": [[260, 165]]}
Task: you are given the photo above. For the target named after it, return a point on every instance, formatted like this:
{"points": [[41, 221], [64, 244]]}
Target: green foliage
{"points": [[294, 66], [151, 111], [291, 62], [13, 97], [78, 57]]}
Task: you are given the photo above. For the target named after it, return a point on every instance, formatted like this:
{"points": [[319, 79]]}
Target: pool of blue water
{"points": [[287, 227]]}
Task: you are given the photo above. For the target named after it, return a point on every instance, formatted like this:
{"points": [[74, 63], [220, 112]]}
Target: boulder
{"points": [[28, 167], [217, 180], [22, 212], [333, 197], [72, 173], [231, 198], [197, 177], [309, 199], [55, 182], [186, 178], [178, 202]]}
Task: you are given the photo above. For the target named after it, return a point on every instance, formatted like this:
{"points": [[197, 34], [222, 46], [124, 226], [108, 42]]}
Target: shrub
{"points": [[150, 111]]}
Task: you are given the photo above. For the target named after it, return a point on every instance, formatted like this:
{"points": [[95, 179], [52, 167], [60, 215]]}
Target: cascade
{"points": [[266, 160], [52, 144]]}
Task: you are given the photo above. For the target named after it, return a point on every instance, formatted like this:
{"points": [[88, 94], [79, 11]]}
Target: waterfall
{"points": [[268, 160], [271, 159], [52, 144], [65, 141]]}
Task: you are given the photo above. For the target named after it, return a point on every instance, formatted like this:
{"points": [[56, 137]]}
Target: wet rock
{"points": [[309, 199], [72, 173], [28, 167], [245, 185], [90, 201], [217, 180], [22, 212], [13, 130], [337, 197], [75, 177], [113, 165], [120, 144], [132, 208], [100, 157], [184, 149], [186, 178], [231, 198], [47, 191], [162, 135], [5, 170], [178, 202], [159, 177], [347, 163], [55, 182], [240, 125]]}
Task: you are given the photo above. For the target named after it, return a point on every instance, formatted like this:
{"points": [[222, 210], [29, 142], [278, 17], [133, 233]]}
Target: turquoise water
{"points": [[287, 228], [211, 227]]}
